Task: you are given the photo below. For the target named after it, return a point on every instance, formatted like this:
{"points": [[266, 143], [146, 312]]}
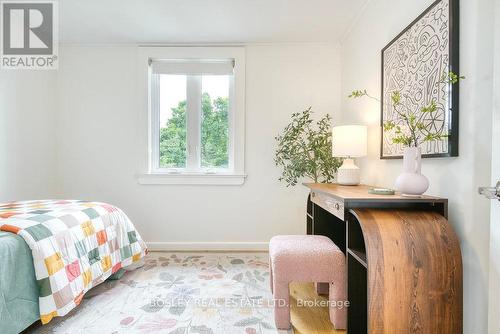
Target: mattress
{"points": [[18, 288]]}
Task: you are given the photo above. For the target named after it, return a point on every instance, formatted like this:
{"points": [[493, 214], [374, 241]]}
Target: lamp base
{"points": [[348, 173]]}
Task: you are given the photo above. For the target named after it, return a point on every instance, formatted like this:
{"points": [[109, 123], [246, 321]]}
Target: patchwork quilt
{"points": [[75, 245]]}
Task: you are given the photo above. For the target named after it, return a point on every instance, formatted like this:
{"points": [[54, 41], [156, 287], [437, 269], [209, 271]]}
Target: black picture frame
{"points": [[453, 96]]}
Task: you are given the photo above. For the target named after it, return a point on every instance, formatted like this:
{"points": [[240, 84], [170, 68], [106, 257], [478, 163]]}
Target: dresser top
{"points": [[360, 194]]}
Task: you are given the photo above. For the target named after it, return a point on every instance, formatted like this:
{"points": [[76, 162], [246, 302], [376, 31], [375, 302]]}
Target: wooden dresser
{"points": [[404, 265]]}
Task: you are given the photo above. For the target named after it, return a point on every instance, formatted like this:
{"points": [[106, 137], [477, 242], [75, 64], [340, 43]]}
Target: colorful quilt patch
{"points": [[7, 214], [44, 287], [87, 277], [106, 263], [38, 232], [88, 228], [73, 271], [75, 246], [53, 264], [10, 228], [101, 237]]}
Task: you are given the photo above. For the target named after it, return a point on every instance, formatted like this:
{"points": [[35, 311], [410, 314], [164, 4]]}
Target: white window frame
{"points": [[192, 174]]}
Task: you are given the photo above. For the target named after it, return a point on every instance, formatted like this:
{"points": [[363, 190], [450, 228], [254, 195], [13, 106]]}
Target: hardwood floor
{"points": [[309, 320]]}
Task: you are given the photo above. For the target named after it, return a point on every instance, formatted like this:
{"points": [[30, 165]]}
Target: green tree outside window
{"points": [[214, 135]]}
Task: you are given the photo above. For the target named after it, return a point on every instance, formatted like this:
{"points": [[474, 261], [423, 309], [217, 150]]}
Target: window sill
{"points": [[191, 179]]}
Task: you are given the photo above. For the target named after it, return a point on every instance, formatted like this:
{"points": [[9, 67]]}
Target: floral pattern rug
{"points": [[179, 293]]}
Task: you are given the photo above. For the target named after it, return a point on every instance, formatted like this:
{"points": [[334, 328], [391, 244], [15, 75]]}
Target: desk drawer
{"points": [[335, 207]]}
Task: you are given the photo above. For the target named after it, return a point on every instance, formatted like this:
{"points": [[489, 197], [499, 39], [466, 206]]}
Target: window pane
{"points": [[172, 121], [214, 121]]}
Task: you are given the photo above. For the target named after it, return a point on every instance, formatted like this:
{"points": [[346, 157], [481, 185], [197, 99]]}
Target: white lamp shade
{"points": [[349, 141]]}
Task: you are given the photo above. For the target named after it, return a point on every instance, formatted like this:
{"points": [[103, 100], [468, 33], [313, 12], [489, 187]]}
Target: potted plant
{"points": [[412, 133], [305, 150]]}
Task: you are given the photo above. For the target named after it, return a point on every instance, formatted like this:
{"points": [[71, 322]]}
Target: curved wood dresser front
{"points": [[414, 271]]}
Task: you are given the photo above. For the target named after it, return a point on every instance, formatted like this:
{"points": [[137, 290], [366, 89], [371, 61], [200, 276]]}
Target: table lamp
{"points": [[349, 141]]}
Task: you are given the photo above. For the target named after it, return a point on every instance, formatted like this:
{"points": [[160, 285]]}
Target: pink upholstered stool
{"points": [[307, 258]]}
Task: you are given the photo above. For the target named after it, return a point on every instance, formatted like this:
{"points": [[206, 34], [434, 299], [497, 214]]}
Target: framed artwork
{"points": [[415, 63]]}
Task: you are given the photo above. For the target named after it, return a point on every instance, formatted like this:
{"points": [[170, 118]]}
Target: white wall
{"points": [[494, 305], [27, 137], [103, 133], [454, 178]]}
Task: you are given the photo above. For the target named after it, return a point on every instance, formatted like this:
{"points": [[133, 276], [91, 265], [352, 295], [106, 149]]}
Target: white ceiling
{"points": [[205, 21]]}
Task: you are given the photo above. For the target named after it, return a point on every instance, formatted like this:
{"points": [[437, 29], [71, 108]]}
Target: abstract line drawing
{"points": [[414, 64]]}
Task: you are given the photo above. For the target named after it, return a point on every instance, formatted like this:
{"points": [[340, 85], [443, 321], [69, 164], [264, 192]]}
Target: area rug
{"points": [[179, 293]]}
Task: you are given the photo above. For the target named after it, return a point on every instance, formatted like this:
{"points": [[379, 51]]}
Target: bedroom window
{"points": [[194, 101], [196, 110]]}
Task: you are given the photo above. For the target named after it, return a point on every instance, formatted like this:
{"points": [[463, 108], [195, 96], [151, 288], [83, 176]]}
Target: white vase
{"points": [[411, 181]]}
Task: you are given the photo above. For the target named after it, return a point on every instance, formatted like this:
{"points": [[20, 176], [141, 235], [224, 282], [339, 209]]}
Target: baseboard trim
{"points": [[208, 246]]}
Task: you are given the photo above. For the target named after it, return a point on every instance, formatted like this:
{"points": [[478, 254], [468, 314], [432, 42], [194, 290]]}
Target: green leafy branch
{"points": [[451, 78], [305, 149], [362, 93], [412, 131]]}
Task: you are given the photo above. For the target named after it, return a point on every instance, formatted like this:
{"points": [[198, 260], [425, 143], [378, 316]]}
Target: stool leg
{"points": [[337, 298], [282, 305], [271, 275], [322, 288]]}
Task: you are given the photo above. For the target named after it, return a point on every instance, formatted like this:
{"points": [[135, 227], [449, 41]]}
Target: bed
{"points": [[53, 251]]}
